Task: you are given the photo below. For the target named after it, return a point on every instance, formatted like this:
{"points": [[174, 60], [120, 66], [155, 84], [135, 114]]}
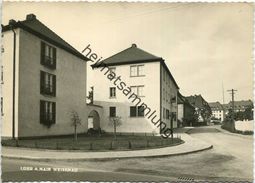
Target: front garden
{"points": [[104, 142]]}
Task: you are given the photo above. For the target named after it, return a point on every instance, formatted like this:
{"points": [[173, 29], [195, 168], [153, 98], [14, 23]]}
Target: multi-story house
{"points": [[186, 111], [239, 106], [43, 80], [138, 78], [217, 110], [202, 108]]}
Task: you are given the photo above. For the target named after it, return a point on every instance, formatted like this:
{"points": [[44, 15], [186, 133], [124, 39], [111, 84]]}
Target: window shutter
{"points": [[54, 57], [42, 111], [42, 82], [42, 52], [54, 85], [54, 112]]}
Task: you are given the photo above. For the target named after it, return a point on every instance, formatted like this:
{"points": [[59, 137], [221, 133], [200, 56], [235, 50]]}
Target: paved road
{"points": [[230, 159]]}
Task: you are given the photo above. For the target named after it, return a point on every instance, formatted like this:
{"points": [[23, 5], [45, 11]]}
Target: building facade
{"points": [[186, 111], [43, 81], [141, 91], [218, 111], [239, 106]]}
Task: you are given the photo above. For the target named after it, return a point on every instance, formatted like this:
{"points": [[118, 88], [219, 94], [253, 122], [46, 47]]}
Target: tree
{"points": [[91, 95], [248, 113], [75, 119], [115, 121]]}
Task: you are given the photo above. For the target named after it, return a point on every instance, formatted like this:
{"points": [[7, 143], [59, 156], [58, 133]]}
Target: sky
{"points": [[207, 46]]}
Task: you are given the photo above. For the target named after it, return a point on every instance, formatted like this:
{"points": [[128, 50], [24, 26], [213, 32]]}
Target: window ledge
{"points": [[137, 76], [48, 95], [112, 97], [136, 116]]}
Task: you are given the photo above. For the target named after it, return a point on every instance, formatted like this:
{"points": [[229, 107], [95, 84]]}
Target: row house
{"points": [[186, 111]]}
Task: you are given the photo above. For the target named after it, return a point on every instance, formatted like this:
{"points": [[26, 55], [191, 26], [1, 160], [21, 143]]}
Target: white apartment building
{"points": [[129, 79], [217, 110], [43, 80]]}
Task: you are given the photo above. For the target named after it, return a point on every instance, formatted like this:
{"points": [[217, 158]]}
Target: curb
{"points": [[235, 134], [104, 159]]}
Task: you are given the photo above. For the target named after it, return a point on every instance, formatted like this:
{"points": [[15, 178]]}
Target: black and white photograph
{"points": [[127, 91]]}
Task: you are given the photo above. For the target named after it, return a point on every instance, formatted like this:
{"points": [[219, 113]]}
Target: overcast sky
{"points": [[206, 46]]}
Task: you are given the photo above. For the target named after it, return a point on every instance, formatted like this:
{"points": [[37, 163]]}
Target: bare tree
{"points": [[75, 119], [115, 121]]}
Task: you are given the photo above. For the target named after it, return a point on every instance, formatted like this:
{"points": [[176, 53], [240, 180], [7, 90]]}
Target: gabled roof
{"points": [[37, 28], [130, 55], [197, 101], [183, 100], [216, 106], [133, 55], [239, 104]]}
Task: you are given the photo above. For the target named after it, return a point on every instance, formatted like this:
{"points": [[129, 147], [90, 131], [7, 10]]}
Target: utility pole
{"points": [[223, 97], [233, 102]]}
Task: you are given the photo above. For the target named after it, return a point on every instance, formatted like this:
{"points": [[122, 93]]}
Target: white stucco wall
{"points": [[70, 90], [7, 85], [151, 82], [180, 112]]}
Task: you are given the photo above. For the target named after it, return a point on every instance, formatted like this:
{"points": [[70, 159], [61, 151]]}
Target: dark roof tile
{"points": [[34, 26]]}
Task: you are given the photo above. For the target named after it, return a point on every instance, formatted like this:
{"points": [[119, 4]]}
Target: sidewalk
{"points": [[218, 127], [191, 145]]}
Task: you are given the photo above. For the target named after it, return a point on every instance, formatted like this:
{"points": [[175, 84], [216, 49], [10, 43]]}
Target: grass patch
{"points": [[104, 142]]}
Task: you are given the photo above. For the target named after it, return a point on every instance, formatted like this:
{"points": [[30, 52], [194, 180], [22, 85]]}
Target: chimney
{"points": [[31, 17], [133, 45], [12, 22]]}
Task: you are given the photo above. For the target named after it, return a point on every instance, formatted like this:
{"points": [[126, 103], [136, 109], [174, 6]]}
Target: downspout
{"points": [[13, 94]]}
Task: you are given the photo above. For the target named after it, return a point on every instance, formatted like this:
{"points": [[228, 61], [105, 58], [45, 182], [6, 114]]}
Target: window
{"points": [[48, 56], [137, 111], [2, 74], [2, 106], [138, 90], [167, 114], [140, 69], [133, 111], [48, 84], [163, 94], [112, 112], [47, 113], [112, 92], [174, 116], [140, 110], [136, 70], [164, 113], [133, 89]]}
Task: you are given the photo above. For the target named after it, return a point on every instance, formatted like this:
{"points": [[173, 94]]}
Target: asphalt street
{"points": [[231, 159]]}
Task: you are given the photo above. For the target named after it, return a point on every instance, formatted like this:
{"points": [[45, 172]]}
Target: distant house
{"points": [[48, 83], [202, 108], [143, 79], [239, 106], [186, 111], [218, 111]]}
